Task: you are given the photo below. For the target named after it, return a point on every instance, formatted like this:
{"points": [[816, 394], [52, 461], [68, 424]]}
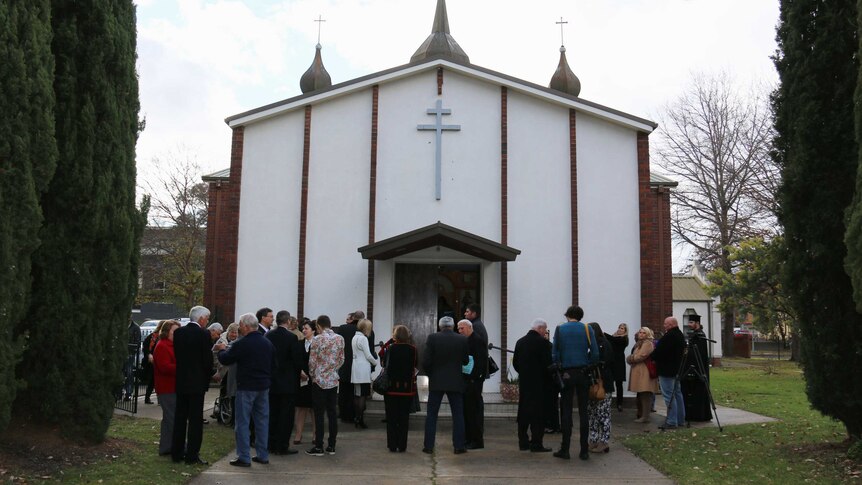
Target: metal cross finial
{"points": [[561, 23], [320, 21]]}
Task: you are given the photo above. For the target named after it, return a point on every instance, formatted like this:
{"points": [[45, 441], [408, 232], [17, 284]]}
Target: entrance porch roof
{"points": [[439, 234]]}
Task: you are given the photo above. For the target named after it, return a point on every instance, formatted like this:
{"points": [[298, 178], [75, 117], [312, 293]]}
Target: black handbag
{"points": [[492, 366], [381, 382]]}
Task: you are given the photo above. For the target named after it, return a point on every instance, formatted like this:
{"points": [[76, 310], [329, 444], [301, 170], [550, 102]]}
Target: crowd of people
{"points": [[277, 372]]}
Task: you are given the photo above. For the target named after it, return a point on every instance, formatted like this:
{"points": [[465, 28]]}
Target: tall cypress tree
{"points": [[84, 274], [853, 237], [28, 155], [816, 147]]}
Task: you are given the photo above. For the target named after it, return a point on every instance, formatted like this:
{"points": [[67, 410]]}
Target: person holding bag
{"points": [[600, 410], [639, 378], [400, 360]]}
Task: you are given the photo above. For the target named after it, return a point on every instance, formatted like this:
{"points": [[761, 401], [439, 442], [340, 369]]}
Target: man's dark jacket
{"points": [[531, 361], [193, 351], [668, 353], [289, 360], [445, 353], [479, 350], [254, 356]]}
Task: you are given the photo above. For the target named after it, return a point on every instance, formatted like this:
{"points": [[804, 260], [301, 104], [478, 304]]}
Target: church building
{"points": [[412, 192]]}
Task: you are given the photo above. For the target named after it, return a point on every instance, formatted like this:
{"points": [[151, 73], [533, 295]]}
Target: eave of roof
{"points": [[439, 234], [472, 70], [220, 176], [656, 180]]}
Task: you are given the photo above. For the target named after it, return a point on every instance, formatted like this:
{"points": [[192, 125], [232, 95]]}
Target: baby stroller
{"points": [[223, 410]]}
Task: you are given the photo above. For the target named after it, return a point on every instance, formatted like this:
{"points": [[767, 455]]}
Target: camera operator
{"points": [[693, 388]]}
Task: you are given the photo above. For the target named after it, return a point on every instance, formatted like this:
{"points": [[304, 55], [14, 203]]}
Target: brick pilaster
{"points": [[573, 181], [504, 229], [372, 198], [222, 245], [303, 216]]}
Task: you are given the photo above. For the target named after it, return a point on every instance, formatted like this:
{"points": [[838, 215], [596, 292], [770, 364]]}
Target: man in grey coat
{"points": [[445, 354]]}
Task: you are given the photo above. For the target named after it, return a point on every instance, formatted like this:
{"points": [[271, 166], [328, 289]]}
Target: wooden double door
{"points": [[424, 293]]}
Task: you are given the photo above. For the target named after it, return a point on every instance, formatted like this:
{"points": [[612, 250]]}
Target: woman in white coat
{"points": [[360, 374]]}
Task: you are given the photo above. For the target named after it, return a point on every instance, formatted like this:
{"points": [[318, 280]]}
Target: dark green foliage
{"points": [[28, 156], [84, 273], [853, 237], [818, 67]]}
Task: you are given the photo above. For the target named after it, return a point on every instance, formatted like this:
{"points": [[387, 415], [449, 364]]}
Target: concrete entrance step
{"points": [[495, 407]]}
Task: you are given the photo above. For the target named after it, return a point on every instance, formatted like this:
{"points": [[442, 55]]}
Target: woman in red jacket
{"points": [[165, 373]]}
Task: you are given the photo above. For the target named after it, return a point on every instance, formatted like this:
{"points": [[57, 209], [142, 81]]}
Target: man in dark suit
{"points": [[264, 320], [668, 358], [347, 330], [285, 384], [474, 415], [194, 356], [445, 354], [531, 361]]}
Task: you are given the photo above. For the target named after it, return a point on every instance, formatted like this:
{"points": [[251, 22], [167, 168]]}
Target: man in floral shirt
{"points": [[325, 356]]}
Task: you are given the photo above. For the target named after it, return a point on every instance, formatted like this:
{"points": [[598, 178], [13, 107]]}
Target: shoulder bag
{"points": [[381, 382]]}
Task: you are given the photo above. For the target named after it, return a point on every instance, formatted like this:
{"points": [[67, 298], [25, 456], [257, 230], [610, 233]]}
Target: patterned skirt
{"points": [[600, 419]]}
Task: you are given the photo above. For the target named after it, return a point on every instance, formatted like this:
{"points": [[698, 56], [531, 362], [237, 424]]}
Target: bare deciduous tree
{"points": [[716, 144], [174, 244]]}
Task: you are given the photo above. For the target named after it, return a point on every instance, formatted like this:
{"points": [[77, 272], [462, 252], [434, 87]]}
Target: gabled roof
{"points": [[688, 288], [220, 176], [657, 180], [439, 234], [466, 69]]}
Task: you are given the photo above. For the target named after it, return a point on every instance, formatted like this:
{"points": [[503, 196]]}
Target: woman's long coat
{"points": [[639, 380]]}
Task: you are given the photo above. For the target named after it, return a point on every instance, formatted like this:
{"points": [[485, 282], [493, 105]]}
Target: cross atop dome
{"points": [[440, 42], [564, 79]]}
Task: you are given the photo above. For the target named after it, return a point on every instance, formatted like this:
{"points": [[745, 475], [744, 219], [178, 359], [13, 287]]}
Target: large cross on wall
{"points": [[438, 127]]}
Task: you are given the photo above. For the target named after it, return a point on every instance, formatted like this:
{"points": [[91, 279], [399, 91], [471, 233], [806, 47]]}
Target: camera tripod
{"points": [[696, 369]]}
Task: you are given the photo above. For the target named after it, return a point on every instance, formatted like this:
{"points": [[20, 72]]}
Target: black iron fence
{"points": [[127, 394]]}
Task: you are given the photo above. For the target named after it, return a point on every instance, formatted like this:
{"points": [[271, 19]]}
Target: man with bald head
{"points": [[668, 358]]}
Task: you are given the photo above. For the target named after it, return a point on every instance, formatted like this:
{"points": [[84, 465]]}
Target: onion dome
{"points": [[564, 79], [440, 43], [316, 76]]}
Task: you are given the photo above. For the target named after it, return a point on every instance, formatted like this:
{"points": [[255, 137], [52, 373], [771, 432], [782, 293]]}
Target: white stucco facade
{"points": [[538, 194]]}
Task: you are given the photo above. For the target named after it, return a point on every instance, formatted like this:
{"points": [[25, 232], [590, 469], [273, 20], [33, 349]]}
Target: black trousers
{"points": [[578, 384], [346, 410], [397, 420], [474, 413], [619, 392], [190, 413], [281, 416], [531, 415], [324, 402]]}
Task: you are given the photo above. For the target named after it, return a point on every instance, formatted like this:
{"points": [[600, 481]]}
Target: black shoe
{"points": [[148, 401], [523, 447], [196, 461], [314, 451], [539, 449], [584, 455], [667, 427], [330, 450], [260, 460], [206, 421], [238, 462], [393, 450], [428, 450], [289, 451], [564, 454], [459, 451], [620, 407], [475, 446]]}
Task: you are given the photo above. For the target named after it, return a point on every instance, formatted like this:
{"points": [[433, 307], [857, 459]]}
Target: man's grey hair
{"points": [[249, 320], [216, 327], [539, 323], [198, 312], [447, 322], [467, 323]]}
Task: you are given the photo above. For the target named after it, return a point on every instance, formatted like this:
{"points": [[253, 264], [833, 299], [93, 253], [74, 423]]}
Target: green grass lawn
{"points": [[140, 462], [803, 447]]}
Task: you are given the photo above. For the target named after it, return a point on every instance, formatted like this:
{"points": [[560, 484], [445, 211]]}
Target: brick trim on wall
{"points": [[655, 247], [372, 198], [439, 81], [504, 229], [303, 215], [222, 246], [573, 181]]}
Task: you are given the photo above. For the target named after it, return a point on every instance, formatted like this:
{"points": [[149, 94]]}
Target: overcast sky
{"points": [[201, 61]]}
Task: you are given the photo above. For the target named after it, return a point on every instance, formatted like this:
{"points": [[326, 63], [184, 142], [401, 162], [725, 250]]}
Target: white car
{"points": [[148, 327]]}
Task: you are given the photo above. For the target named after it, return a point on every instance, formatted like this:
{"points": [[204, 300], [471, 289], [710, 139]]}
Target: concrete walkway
{"points": [[362, 455]]}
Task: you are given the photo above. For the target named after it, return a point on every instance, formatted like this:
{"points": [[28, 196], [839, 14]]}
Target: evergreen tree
{"points": [[853, 237], [28, 155], [84, 274], [816, 147]]}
